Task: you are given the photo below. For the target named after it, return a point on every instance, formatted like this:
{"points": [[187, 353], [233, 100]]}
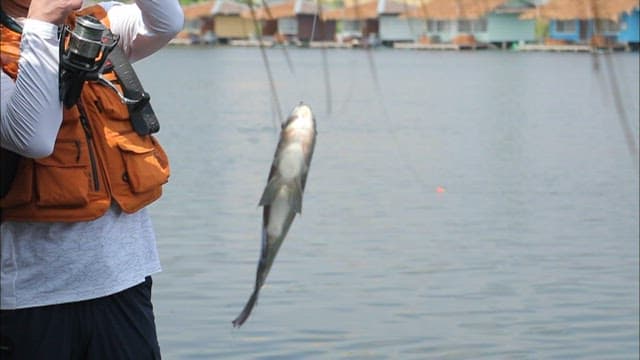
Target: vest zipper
{"points": [[89, 134]]}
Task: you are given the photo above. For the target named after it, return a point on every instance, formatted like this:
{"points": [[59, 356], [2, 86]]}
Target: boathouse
{"points": [[472, 22], [294, 21], [358, 22], [228, 23], [601, 23], [214, 22]]}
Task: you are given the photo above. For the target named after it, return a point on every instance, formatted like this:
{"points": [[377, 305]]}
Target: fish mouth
{"points": [[303, 111], [301, 117]]}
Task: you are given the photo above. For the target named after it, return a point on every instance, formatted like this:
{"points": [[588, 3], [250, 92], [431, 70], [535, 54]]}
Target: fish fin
{"points": [[244, 314], [270, 191], [295, 200]]}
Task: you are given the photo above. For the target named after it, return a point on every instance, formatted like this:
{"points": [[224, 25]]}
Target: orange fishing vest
{"points": [[97, 157]]}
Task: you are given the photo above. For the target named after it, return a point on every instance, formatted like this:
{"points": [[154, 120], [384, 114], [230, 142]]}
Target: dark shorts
{"points": [[115, 327]]}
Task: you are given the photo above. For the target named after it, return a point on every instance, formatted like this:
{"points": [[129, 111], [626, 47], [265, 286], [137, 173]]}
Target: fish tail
{"points": [[244, 314]]}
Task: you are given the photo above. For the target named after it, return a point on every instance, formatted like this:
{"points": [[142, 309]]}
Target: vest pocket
{"points": [[146, 165], [62, 179]]}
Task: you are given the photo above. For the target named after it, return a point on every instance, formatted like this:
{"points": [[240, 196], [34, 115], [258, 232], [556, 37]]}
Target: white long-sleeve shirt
{"points": [[44, 263]]}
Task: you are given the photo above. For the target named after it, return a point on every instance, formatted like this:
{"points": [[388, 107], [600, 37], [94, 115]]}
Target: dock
{"points": [[330, 45], [440, 46], [558, 47], [571, 48], [251, 43]]}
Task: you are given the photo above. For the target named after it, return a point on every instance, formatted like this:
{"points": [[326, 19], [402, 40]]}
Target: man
{"points": [[77, 245]]}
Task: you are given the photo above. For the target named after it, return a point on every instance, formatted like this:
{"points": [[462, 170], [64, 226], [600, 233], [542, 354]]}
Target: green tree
{"points": [[542, 29]]}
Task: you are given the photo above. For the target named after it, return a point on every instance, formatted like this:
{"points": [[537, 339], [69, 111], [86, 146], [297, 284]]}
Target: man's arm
{"points": [[146, 26], [30, 109]]}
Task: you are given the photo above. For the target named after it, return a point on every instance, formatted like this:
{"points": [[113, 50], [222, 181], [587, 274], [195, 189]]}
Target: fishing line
{"points": [[284, 48], [265, 60], [623, 120], [323, 51], [350, 88], [277, 106], [327, 78], [385, 113], [408, 19]]}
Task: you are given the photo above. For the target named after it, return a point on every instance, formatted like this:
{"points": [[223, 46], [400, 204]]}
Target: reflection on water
{"points": [[528, 250]]}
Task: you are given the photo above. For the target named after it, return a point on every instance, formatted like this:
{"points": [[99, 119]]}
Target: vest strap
{"points": [[143, 118]]}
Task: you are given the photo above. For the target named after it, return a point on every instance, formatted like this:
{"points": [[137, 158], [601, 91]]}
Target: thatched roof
{"points": [[228, 7], [452, 9], [285, 9], [358, 11], [460, 9], [366, 10], [582, 9], [198, 10]]}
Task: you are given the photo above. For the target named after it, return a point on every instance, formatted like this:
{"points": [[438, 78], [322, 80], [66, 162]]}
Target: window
{"points": [[479, 25], [351, 26], [464, 26], [443, 26], [288, 26], [566, 26], [607, 26], [432, 26]]}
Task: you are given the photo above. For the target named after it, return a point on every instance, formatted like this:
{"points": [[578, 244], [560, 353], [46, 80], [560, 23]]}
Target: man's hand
{"points": [[53, 11]]}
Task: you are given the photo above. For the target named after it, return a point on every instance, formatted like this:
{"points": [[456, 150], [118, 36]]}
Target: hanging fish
{"points": [[282, 197]]}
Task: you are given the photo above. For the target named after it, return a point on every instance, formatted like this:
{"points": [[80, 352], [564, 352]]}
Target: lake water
{"points": [[474, 205]]}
